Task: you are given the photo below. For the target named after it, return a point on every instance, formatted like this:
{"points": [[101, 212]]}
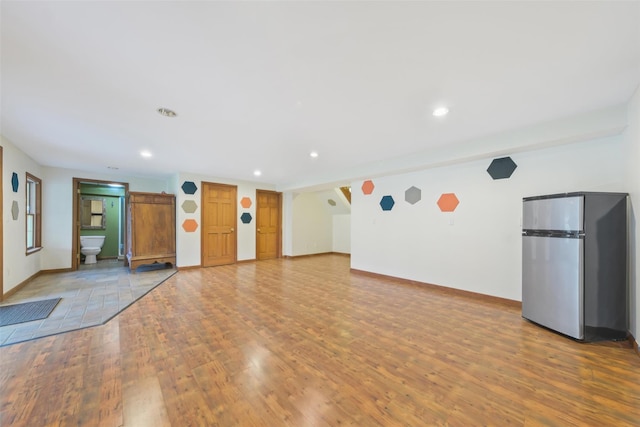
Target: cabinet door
{"points": [[553, 283], [153, 228]]}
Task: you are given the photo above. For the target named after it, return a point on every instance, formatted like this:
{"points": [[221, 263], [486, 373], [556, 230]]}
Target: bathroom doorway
{"points": [[99, 209]]}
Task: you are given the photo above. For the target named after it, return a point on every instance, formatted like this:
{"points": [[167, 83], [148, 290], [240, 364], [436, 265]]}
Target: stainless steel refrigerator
{"points": [[574, 264]]}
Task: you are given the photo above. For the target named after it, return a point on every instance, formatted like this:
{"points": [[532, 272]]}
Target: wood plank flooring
{"points": [[305, 342]]}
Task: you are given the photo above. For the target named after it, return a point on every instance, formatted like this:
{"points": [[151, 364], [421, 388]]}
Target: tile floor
{"points": [[90, 296]]}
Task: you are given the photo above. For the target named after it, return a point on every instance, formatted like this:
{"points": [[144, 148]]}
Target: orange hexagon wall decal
{"points": [[245, 202], [367, 187], [448, 202], [190, 225]]}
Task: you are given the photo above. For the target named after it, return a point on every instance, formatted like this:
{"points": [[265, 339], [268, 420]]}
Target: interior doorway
{"points": [[219, 239], [112, 219], [268, 225]]}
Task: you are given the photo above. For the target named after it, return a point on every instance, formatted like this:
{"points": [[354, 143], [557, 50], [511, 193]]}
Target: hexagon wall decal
{"points": [[246, 218], [189, 206], [15, 210], [501, 168], [190, 225], [448, 202], [14, 182], [413, 195], [367, 187], [189, 187], [331, 202], [245, 202], [386, 203]]}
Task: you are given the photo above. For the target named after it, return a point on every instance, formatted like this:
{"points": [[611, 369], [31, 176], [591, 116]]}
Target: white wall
{"points": [[311, 225], [342, 233], [18, 266], [478, 247], [188, 244], [631, 152]]}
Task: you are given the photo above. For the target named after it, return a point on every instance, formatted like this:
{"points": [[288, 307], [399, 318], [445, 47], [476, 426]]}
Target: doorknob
{"points": [[232, 229], [258, 230]]}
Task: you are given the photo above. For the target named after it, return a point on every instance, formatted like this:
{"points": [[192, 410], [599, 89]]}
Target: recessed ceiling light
{"points": [[440, 111], [166, 112], [146, 153], [257, 172], [314, 154]]}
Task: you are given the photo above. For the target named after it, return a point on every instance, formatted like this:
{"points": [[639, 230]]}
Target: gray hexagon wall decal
{"points": [[14, 182], [189, 206], [386, 203], [246, 218], [413, 195], [189, 187], [501, 168], [15, 210]]}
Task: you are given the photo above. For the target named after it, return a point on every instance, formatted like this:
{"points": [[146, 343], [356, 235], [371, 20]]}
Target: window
{"points": [[34, 213]]}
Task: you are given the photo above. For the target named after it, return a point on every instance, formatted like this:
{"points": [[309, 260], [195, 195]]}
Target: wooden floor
{"points": [[304, 342]]}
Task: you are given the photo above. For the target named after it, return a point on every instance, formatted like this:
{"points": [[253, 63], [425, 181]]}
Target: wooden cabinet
{"points": [[151, 229]]}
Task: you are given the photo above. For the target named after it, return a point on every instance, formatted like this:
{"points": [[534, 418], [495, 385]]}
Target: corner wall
{"points": [[17, 266], [631, 153], [478, 247], [311, 225]]}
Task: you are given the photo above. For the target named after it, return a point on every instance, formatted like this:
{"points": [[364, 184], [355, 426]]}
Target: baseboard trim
{"points": [[634, 343], [20, 285], [318, 254], [188, 267], [56, 270], [451, 291]]}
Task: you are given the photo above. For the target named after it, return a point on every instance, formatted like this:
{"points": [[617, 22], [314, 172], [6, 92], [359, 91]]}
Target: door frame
{"points": [[203, 216], [75, 225], [279, 232]]}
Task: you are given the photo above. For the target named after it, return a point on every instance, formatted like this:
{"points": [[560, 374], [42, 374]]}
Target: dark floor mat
{"points": [[26, 312]]}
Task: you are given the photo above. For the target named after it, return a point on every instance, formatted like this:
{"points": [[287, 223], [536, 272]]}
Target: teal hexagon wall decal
{"points": [[189, 187], [14, 182], [386, 203], [501, 168]]}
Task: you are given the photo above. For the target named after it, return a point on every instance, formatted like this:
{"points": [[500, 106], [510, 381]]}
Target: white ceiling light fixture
{"points": [[257, 172], [146, 153], [166, 112], [440, 112], [313, 154]]}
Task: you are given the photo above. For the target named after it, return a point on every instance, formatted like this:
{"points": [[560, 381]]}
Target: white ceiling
{"points": [[258, 85]]}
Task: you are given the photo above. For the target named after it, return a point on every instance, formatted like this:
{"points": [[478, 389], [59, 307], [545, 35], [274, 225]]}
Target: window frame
{"points": [[33, 182]]}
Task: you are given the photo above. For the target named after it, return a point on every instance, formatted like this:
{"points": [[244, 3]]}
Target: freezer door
{"points": [[561, 213], [553, 283]]}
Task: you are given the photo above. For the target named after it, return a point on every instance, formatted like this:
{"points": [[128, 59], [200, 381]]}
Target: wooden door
{"points": [[218, 224], [268, 224]]}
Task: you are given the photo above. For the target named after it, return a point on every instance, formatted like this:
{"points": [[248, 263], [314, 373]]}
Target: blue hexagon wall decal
{"points": [[14, 182], [501, 168], [189, 187], [246, 218], [386, 203]]}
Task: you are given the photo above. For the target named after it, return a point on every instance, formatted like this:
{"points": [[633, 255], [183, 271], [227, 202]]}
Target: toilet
{"points": [[90, 246]]}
